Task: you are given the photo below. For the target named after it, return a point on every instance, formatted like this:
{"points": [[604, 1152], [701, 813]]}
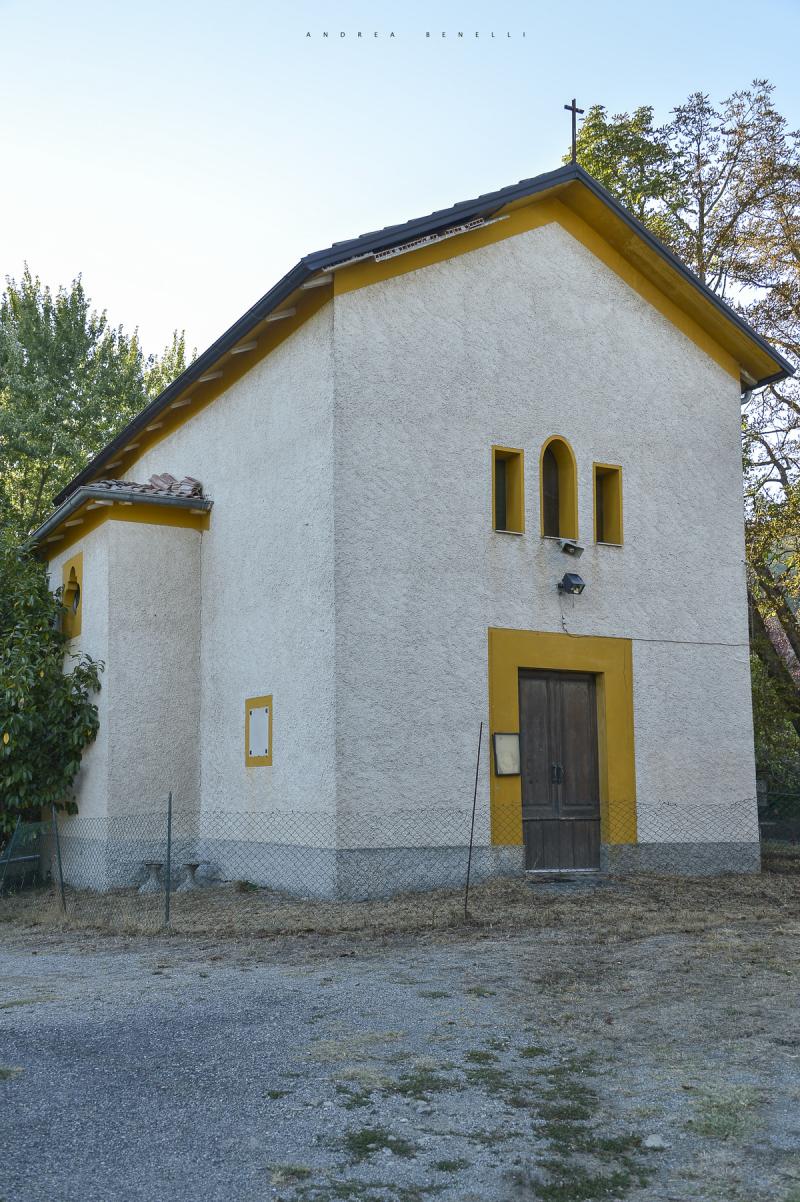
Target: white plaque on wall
{"points": [[259, 731], [506, 754]]}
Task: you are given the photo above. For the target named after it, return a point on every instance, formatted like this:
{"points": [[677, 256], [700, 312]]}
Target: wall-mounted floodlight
{"points": [[570, 547], [571, 583]]}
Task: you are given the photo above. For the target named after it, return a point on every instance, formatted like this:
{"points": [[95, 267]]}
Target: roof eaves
{"points": [[128, 496], [786, 368]]}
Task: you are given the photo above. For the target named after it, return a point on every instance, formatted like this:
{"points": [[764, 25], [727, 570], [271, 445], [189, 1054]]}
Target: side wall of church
{"points": [[263, 451], [508, 345]]}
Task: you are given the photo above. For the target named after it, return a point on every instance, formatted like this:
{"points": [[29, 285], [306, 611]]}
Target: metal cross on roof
{"points": [[573, 108]]}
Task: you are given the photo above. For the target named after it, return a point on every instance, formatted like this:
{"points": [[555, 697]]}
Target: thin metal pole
{"points": [[9, 850], [58, 857], [168, 884], [472, 828]]}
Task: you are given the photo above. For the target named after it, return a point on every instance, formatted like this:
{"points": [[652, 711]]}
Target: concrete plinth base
{"points": [[680, 859]]}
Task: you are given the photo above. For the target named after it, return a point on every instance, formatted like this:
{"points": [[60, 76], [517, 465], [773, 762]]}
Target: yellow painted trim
{"points": [[71, 622], [257, 761], [611, 661], [611, 474], [515, 488], [567, 486], [538, 212], [149, 515]]}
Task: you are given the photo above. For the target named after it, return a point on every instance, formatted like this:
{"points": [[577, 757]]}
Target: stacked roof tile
{"points": [[164, 485]]}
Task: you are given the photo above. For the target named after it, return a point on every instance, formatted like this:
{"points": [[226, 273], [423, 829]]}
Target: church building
{"points": [[484, 466]]}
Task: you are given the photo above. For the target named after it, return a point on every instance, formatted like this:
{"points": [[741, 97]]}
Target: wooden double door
{"points": [[559, 770]]}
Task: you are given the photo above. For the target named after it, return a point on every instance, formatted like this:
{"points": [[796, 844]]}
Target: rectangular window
{"points": [[508, 491], [608, 503]]}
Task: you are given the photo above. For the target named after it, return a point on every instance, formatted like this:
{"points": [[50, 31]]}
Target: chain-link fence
{"points": [[779, 824], [213, 870]]}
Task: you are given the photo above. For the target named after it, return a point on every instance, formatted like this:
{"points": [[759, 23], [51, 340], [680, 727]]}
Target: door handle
{"points": [[556, 774]]}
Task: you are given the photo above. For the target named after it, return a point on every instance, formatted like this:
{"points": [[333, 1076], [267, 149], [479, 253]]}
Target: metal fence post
{"points": [[7, 856], [58, 858], [168, 874], [472, 827]]}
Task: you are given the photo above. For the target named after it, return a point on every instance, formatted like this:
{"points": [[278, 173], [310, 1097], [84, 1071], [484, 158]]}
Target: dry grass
{"points": [[608, 909]]}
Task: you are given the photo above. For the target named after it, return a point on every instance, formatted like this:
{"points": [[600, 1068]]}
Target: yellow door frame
{"points": [[611, 662]]}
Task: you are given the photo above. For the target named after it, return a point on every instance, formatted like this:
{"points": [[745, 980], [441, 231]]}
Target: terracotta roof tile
{"points": [[164, 485]]}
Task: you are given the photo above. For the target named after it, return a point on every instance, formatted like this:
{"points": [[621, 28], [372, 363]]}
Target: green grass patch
{"points": [[489, 1139], [572, 1184], [493, 1080], [451, 1166], [419, 1083], [366, 1141], [532, 1051], [478, 1057], [354, 1099], [289, 1174], [724, 1115]]}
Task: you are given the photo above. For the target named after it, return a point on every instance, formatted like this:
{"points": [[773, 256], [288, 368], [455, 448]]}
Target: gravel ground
{"points": [[569, 1062]]}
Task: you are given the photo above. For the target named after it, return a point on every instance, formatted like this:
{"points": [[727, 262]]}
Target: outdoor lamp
{"points": [[572, 583]]}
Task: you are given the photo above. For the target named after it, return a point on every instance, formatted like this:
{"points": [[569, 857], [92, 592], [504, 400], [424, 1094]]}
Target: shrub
{"points": [[47, 716]]}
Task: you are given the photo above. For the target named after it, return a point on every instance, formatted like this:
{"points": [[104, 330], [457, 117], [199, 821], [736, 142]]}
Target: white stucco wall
{"points": [[263, 451], [153, 666], [507, 345]]}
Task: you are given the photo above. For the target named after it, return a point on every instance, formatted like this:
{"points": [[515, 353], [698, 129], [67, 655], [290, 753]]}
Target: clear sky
{"points": [[182, 156]]}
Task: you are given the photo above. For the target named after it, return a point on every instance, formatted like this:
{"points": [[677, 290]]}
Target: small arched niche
{"points": [[558, 485], [72, 596]]}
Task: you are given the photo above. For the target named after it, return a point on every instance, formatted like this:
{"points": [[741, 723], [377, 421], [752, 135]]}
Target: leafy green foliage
{"points": [[776, 739], [47, 716], [720, 185], [69, 382], [631, 157]]}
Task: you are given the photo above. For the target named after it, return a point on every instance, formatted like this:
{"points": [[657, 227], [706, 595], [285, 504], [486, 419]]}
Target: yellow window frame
{"points": [[567, 487], [251, 703], [513, 459], [607, 477], [72, 575]]}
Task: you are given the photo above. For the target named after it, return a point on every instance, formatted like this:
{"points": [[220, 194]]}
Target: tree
{"points": [[721, 187], [47, 716], [777, 743], [631, 157], [69, 381]]}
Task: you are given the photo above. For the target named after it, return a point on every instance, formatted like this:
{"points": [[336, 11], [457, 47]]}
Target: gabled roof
{"points": [[584, 196]]}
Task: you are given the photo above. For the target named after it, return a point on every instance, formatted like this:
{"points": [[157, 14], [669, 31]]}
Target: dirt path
{"points": [[459, 1065]]}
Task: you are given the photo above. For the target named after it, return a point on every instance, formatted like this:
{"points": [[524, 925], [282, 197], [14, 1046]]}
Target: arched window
{"points": [[559, 489], [72, 593], [71, 598], [550, 518]]}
